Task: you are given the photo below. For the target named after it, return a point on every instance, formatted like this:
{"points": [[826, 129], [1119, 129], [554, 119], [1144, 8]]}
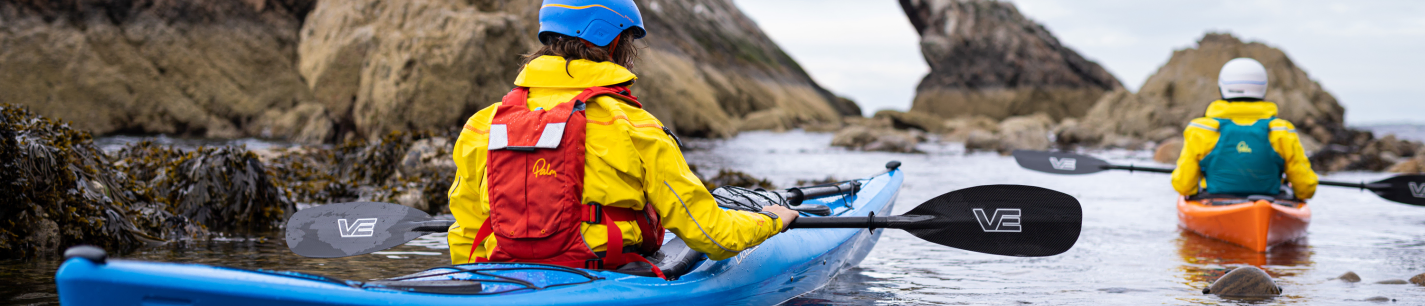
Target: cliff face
{"points": [[399, 65], [987, 59], [1182, 89], [197, 68], [325, 71]]}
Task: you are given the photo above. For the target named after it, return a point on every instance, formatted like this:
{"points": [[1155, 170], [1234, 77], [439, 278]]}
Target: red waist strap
{"points": [[613, 258]]}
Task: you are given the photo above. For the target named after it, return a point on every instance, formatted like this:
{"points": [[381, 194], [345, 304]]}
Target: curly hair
{"points": [[625, 53]]}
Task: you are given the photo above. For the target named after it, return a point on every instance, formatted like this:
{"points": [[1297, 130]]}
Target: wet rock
{"points": [[225, 189], [1418, 280], [205, 68], [1245, 282], [1168, 152], [777, 120], [413, 198], [727, 177], [416, 166], [1183, 88], [1071, 133], [1380, 299], [1349, 277], [868, 138], [828, 180], [1392, 282], [988, 59], [1025, 132], [61, 190], [913, 120], [428, 156], [959, 129], [387, 66], [979, 140]]}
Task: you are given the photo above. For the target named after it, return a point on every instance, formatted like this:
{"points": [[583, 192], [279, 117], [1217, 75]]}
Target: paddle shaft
{"points": [[903, 221], [900, 222], [433, 226], [1132, 168]]}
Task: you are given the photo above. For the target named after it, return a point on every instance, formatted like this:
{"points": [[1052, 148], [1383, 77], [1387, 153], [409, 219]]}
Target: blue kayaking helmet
{"points": [[596, 21]]}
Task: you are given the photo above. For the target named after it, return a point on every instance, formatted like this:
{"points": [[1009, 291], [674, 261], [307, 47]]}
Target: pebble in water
{"points": [[1244, 282], [1392, 282], [1380, 299], [1349, 277], [1418, 279]]}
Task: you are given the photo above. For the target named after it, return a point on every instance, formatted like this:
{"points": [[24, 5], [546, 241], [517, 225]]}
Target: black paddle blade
{"points": [[1059, 162], [346, 229], [1408, 189], [1010, 220]]}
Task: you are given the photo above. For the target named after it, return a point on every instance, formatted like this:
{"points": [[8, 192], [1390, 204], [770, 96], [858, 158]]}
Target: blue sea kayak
{"points": [[784, 267]]}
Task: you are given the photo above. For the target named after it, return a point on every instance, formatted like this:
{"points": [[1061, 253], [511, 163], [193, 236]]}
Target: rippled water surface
{"points": [[1131, 251]]}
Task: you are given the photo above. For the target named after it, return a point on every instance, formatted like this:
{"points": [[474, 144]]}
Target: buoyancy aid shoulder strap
{"points": [[546, 129], [517, 97], [619, 92]]}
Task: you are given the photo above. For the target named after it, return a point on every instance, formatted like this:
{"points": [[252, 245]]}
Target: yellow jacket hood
{"points": [[1241, 110], [554, 72]]}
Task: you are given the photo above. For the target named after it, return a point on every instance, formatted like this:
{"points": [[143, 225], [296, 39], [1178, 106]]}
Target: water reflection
{"points": [[1207, 259]]}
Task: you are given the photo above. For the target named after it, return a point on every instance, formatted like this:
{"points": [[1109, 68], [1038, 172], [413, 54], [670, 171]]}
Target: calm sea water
{"points": [[1131, 251]]}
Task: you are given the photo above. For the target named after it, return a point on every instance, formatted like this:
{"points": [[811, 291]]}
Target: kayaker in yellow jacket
{"points": [[1240, 148], [630, 159]]}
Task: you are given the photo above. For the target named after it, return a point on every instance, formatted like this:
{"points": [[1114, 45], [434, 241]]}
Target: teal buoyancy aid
{"points": [[1244, 161]]}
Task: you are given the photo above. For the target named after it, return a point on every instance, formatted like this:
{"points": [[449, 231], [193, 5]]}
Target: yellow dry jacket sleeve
{"points": [[467, 192], [1298, 169], [686, 206], [1199, 138]]}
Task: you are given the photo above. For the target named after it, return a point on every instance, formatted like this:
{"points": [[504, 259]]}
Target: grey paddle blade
{"points": [[1408, 189], [1058, 162], [346, 229], [1010, 220]]}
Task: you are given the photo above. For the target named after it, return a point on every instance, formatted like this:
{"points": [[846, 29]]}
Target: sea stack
{"points": [[1182, 89], [988, 59]]}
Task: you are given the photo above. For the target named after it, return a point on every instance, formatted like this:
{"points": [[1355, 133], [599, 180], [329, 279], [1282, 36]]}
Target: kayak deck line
{"points": [[786, 266]]}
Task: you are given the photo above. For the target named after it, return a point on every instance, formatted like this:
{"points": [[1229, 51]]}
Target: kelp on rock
{"points": [[60, 190]]}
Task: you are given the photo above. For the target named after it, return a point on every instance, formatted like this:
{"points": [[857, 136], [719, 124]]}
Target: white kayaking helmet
{"points": [[1242, 78]]}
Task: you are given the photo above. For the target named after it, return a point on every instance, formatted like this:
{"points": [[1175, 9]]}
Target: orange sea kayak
{"points": [[1256, 225]]}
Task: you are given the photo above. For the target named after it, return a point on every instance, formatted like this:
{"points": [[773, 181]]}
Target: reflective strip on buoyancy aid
{"points": [[1243, 162], [544, 150]]}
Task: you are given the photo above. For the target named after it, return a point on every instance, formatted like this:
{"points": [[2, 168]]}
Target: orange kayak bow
{"points": [[1256, 225]]}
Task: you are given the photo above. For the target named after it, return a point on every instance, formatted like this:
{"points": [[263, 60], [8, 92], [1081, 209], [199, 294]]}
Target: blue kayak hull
{"points": [[784, 267]]}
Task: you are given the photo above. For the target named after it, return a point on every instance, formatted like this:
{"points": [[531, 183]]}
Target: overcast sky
{"points": [[1369, 54]]}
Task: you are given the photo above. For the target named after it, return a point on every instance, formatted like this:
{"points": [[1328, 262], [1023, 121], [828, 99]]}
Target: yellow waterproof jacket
{"points": [[1200, 138], [630, 161]]}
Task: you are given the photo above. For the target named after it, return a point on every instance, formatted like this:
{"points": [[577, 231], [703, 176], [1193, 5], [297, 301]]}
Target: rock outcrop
{"points": [[331, 71], [60, 191], [1182, 89], [202, 68], [987, 59], [414, 65]]}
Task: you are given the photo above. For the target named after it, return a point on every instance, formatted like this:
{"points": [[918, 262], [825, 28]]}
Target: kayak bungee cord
{"points": [[740, 198]]}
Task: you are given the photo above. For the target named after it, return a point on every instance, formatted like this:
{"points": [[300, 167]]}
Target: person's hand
{"points": [[783, 214]]}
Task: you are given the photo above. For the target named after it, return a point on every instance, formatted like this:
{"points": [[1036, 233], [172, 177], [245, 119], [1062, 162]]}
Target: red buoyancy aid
{"points": [[536, 172]]}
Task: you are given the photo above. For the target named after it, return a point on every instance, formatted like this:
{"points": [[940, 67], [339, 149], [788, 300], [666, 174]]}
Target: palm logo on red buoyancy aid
{"points": [[535, 168]]}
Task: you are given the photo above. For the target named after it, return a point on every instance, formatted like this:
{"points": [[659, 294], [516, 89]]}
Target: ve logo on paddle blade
{"points": [[1004, 220], [364, 227], [1066, 164], [1417, 190]]}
